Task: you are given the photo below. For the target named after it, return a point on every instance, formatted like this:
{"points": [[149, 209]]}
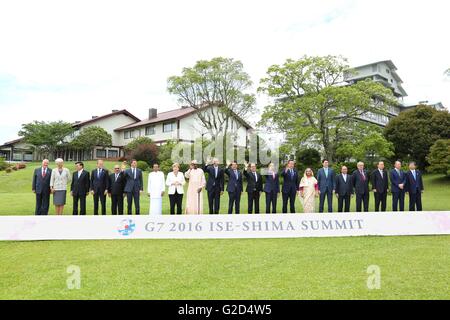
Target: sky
{"points": [[71, 60]]}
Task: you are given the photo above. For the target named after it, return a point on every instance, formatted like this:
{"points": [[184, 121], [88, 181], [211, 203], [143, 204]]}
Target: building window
{"points": [[169, 127], [387, 71], [150, 130], [101, 153], [113, 154], [129, 134]]}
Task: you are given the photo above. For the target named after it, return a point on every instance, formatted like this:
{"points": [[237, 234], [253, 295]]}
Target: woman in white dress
{"points": [[308, 191], [156, 188]]}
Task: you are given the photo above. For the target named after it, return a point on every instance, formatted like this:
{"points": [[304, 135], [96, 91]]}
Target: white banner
{"points": [[17, 228]]}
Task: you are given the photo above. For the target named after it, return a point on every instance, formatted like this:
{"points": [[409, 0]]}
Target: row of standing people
{"points": [[129, 183]]}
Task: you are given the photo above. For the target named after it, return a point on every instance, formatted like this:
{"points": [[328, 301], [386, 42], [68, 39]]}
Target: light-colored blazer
{"points": [[172, 179], [59, 181]]}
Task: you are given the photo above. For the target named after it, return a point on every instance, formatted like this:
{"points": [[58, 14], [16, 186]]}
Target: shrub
{"points": [[3, 164], [20, 166], [144, 152], [142, 165], [8, 170]]}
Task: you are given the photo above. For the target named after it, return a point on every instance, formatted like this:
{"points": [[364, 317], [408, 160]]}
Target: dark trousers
{"points": [[329, 195], [344, 203], [362, 198], [175, 200], [398, 201], [214, 200], [289, 196], [415, 201], [42, 203], [271, 201], [234, 200], [117, 204], [136, 196], [99, 195], [380, 199], [253, 198], [82, 200]]}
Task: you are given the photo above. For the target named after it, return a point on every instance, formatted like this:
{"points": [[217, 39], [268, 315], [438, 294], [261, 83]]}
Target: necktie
{"points": [[381, 172], [414, 174], [236, 174], [256, 177], [215, 169], [44, 173], [116, 176], [326, 173], [99, 171], [292, 173], [134, 174], [363, 176], [344, 176]]}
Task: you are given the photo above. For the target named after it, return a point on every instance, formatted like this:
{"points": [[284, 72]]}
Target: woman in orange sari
{"points": [[308, 191]]}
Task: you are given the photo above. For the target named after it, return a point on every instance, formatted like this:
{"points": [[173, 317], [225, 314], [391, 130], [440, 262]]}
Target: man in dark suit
{"points": [[215, 185], [398, 179], [380, 186], [115, 190], [134, 187], [79, 188], [414, 187], [272, 188], [99, 186], [360, 181], [343, 189], [234, 187], [41, 187], [325, 181], [254, 187], [290, 186]]}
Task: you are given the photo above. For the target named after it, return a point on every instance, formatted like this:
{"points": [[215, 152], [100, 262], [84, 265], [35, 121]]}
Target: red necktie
{"points": [[363, 176], [43, 173]]}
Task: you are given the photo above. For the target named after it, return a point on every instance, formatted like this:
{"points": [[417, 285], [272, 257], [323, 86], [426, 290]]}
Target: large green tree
{"points": [[218, 89], [311, 104], [439, 157], [46, 137], [91, 137], [414, 131]]}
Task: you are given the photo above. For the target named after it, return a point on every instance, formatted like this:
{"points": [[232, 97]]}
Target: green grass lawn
{"points": [[302, 268]]}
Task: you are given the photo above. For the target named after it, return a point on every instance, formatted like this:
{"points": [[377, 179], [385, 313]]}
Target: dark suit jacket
{"points": [[272, 184], [360, 186], [397, 179], [234, 185], [41, 185], [214, 182], [325, 182], [134, 185], [290, 183], [99, 184], [80, 187], [252, 184], [414, 185], [344, 188], [116, 187], [381, 184]]}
